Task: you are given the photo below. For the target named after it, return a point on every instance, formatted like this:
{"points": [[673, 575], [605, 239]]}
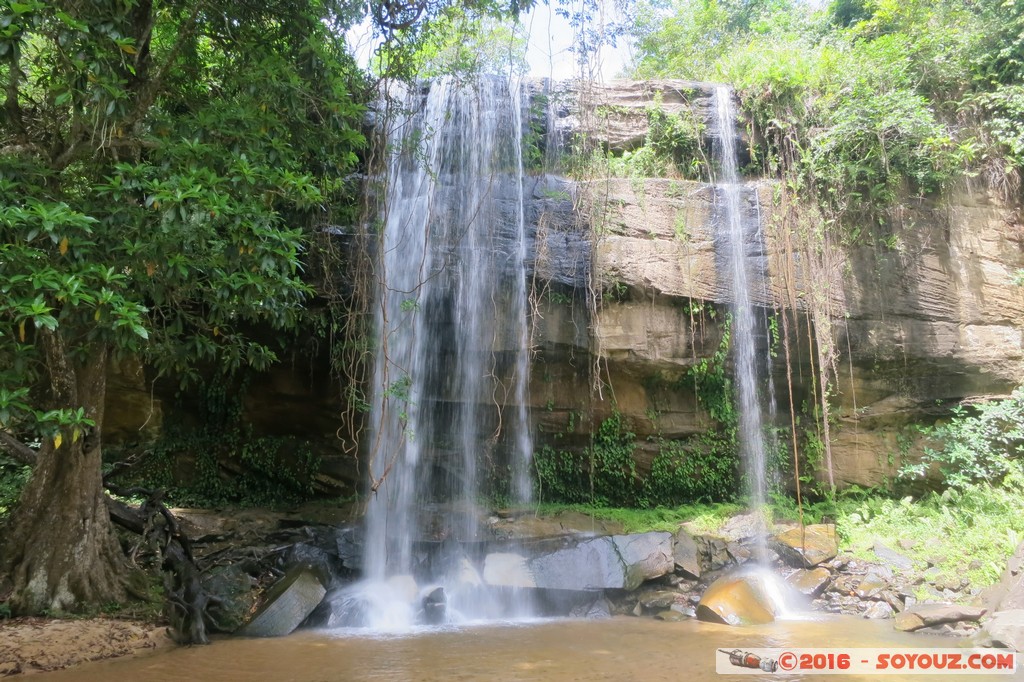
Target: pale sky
{"points": [[548, 52], [550, 39]]}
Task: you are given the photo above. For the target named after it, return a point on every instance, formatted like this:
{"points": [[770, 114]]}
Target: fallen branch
{"points": [[16, 449]]}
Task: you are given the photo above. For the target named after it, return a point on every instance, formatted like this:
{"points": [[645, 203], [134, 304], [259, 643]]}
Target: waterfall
{"points": [[743, 246], [451, 375]]}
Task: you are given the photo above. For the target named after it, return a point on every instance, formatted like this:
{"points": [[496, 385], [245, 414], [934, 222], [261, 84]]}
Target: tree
{"points": [[161, 164]]}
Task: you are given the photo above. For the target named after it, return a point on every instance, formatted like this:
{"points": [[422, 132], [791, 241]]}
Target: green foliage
{"points": [[13, 477], [706, 472], [711, 384], [168, 163], [985, 520], [983, 444], [673, 146], [604, 475], [700, 518], [231, 465], [863, 103]]}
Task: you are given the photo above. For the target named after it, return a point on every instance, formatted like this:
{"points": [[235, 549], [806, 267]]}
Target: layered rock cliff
{"points": [[924, 316]]}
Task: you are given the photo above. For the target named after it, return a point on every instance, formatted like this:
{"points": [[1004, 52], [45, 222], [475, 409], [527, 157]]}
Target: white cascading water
{"points": [[744, 253], [751, 428], [452, 366]]}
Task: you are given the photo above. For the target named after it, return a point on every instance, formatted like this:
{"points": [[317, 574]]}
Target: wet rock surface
{"points": [[289, 602], [736, 600], [808, 546]]}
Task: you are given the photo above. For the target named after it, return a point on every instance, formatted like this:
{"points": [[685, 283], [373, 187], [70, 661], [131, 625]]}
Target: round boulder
{"points": [[737, 600]]}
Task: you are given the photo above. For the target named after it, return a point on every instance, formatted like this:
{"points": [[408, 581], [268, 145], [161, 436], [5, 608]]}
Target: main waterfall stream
{"points": [[451, 371], [738, 236]]}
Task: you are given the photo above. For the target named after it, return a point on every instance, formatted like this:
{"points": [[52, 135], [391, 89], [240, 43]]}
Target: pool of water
{"points": [[551, 650]]}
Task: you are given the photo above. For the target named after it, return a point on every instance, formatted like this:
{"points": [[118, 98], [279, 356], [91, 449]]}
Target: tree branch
{"points": [[16, 449]]}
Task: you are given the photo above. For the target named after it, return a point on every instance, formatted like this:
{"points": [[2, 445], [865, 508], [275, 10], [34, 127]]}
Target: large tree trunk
{"points": [[60, 553]]}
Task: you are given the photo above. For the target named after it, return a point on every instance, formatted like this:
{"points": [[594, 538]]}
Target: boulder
{"points": [[236, 591], [743, 527], [878, 610], [871, 585], [685, 554], [621, 562], [1006, 628], [891, 557], [736, 600], [289, 602], [810, 582], [1008, 593], [662, 599], [926, 615], [435, 604], [507, 569], [813, 545], [646, 556]]}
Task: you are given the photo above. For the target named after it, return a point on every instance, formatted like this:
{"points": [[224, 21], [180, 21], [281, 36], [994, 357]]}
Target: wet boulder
{"points": [[808, 547], [621, 562], [737, 600], [289, 602], [236, 596], [645, 555], [810, 582], [434, 604]]}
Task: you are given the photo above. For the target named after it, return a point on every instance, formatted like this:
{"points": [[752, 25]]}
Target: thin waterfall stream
{"points": [[741, 238], [451, 376]]}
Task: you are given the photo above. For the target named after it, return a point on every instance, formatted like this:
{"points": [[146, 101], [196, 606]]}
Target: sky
{"points": [[548, 52], [550, 39]]}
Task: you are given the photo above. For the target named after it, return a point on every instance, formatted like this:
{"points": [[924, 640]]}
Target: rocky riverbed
{"points": [[571, 564]]}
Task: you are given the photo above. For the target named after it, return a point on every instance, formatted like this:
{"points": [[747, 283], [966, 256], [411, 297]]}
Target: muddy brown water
{"points": [[618, 649]]}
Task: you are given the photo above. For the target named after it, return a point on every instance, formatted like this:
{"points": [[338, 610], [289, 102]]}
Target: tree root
{"points": [[188, 603]]}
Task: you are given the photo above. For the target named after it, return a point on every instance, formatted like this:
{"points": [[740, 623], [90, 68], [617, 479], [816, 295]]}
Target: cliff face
{"points": [[927, 315], [629, 294]]}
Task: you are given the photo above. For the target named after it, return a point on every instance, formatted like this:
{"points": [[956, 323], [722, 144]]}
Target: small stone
{"points": [[658, 600], [907, 543], [974, 565], [738, 552], [893, 600], [670, 616]]}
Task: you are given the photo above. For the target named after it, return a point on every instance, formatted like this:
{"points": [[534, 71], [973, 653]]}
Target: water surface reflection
{"points": [[550, 651]]}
